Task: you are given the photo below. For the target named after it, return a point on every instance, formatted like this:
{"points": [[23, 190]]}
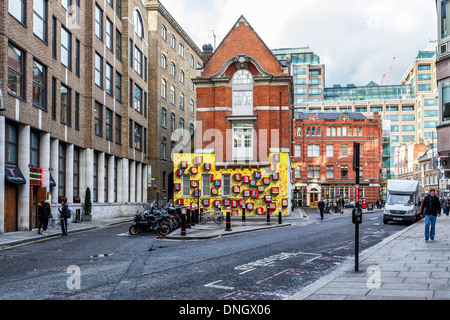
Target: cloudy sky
{"points": [[355, 39]]}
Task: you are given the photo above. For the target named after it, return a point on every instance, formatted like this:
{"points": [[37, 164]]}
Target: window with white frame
{"points": [[242, 93], [138, 24], [344, 150], [242, 141], [226, 185], [313, 172], [330, 172], [163, 32], [298, 151], [206, 185], [185, 186], [313, 151], [181, 50], [330, 151]]}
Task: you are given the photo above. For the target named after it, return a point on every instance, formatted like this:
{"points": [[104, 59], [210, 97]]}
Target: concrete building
{"points": [[242, 141], [174, 59], [409, 108], [308, 74], [407, 161], [323, 156], [73, 76], [443, 84], [428, 171]]}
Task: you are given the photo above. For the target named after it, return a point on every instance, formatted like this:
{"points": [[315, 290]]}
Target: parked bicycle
{"points": [[213, 215]]}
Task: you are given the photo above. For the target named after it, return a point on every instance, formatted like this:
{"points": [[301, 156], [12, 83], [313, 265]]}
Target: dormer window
{"points": [[242, 92]]}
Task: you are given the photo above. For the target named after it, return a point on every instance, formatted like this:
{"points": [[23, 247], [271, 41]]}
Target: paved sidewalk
{"points": [[209, 230], [13, 238], [402, 267]]}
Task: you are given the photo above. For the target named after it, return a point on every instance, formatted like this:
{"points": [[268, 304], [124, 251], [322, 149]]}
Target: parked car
{"points": [[351, 204]]}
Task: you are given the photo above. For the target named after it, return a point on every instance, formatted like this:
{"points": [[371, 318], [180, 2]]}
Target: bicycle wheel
{"points": [[204, 218], [218, 218]]}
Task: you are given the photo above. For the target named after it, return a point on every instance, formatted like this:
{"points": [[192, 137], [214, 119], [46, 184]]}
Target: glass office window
{"points": [[299, 71], [445, 21], [424, 77], [430, 113], [408, 138], [430, 124], [430, 102], [424, 87], [446, 101], [408, 128], [408, 117]]}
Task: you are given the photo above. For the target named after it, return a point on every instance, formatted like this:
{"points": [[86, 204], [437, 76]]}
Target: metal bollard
{"points": [[183, 221], [279, 216], [243, 214], [192, 216], [188, 217], [228, 221], [268, 215]]}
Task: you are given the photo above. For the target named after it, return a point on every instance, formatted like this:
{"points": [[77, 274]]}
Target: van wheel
{"points": [[385, 221]]}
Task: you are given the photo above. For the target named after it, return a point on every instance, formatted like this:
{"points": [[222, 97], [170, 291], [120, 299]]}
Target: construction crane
{"points": [[388, 79]]}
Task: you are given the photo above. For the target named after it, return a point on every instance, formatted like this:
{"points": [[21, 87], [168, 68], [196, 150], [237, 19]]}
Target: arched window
{"points": [[355, 133], [308, 131], [339, 131], [299, 131], [349, 131], [242, 93], [333, 131], [318, 131], [344, 131], [360, 131], [313, 131], [328, 131], [138, 24]]}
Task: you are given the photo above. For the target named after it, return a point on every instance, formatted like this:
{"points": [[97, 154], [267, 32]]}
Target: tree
{"points": [[87, 207]]}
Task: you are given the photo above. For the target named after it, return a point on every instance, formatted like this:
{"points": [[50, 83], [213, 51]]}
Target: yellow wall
{"points": [[280, 167]]}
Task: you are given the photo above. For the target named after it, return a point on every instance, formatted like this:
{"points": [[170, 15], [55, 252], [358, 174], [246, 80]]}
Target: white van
{"points": [[402, 203]]}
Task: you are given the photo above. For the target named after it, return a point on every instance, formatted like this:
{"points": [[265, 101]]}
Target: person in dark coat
{"points": [[43, 214], [432, 208], [321, 208], [64, 215]]}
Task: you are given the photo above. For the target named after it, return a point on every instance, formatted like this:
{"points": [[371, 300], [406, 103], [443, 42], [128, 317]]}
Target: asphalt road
{"points": [[109, 264]]}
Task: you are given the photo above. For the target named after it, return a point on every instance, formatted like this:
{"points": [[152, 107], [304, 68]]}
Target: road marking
{"points": [[101, 255], [214, 285]]}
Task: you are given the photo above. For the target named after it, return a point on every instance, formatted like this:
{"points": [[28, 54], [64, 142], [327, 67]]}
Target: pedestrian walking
{"points": [[64, 215], [446, 206], [432, 208], [321, 208], [43, 215]]}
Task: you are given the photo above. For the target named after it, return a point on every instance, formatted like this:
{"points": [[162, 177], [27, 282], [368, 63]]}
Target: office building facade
{"points": [[173, 62], [74, 107]]}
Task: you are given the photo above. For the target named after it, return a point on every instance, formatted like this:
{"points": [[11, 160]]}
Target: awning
{"points": [[52, 181], [14, 175]]}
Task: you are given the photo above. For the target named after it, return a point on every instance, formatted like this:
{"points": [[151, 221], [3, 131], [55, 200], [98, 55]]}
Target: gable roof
{"points": [[249, 48]]}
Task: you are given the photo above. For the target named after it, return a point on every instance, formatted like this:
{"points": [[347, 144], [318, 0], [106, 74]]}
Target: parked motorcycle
{"points": [[175, 212], [150, 220]]}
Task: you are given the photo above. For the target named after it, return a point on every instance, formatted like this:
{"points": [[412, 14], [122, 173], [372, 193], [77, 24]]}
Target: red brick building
{"points": [[261, 96], [323, 156], [243, 132]]}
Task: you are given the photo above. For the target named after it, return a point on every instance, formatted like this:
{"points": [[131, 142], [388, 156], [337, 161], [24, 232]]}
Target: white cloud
{"points": [[356, 39]]}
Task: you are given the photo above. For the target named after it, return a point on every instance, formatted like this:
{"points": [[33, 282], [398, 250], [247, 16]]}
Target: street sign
{"points": [[443, 184]]}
